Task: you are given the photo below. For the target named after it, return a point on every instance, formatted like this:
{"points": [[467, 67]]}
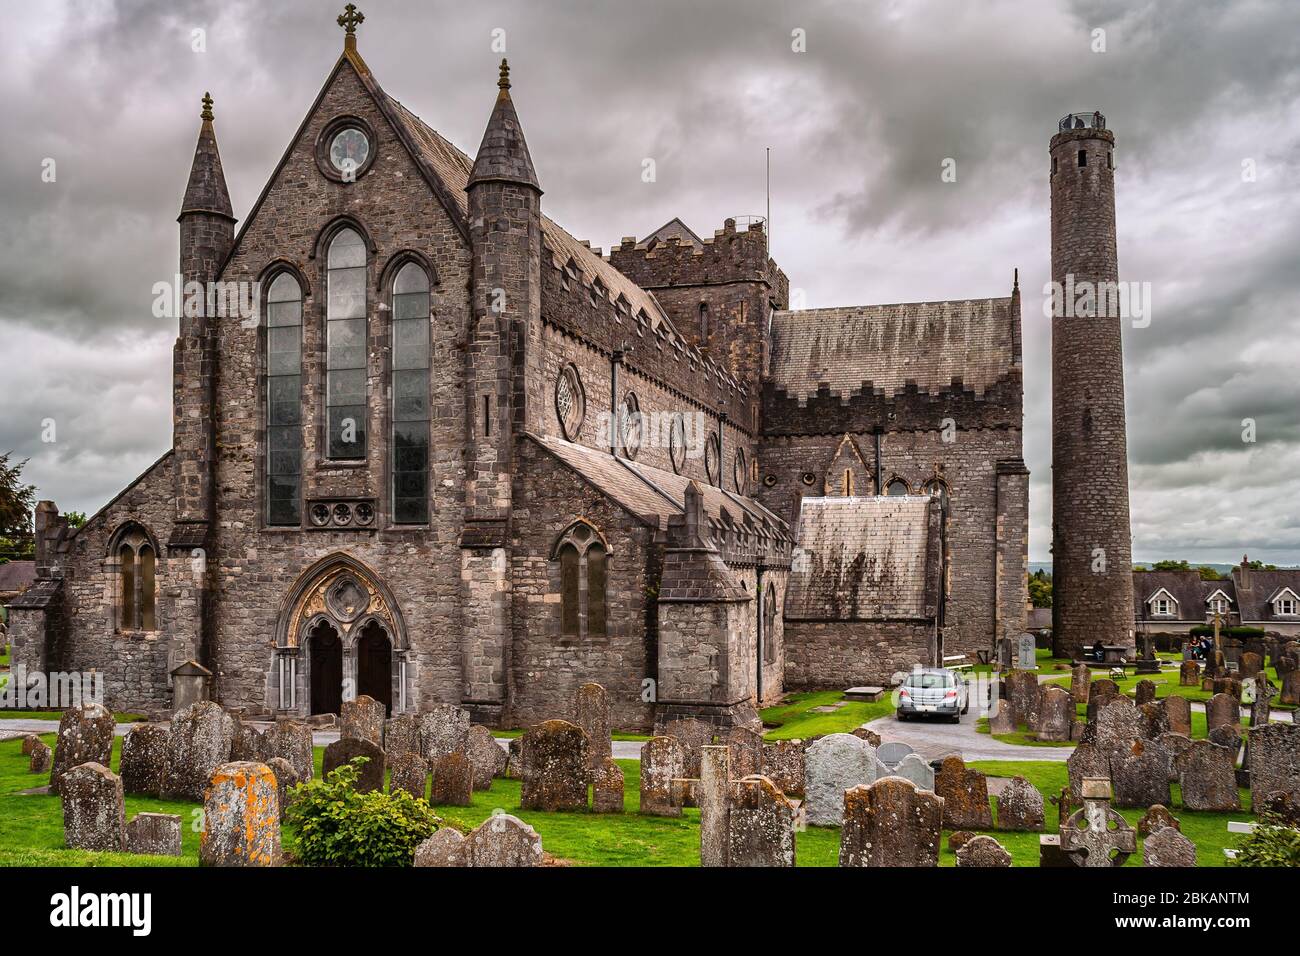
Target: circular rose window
{"points": [[349, 150], [570, 403]]}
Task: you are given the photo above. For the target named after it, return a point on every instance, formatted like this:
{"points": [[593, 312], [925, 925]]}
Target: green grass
{"points": [[794, 718], [4, 656], [1167, 684], [1021, 737], [121, 718]]}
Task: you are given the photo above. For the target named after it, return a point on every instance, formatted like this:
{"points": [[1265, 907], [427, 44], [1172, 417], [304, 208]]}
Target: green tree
{"points": [[1209, 574], [16, 503], [75, 518], [1169, 565], [1040, 589]]}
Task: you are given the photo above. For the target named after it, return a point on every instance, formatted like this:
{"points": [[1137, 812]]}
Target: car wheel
{"points": [[901, 716], [956, 718]]}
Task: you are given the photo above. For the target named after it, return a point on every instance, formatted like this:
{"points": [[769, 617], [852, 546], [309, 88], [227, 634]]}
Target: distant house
{"points": [[15, 578], [1173, 602]]}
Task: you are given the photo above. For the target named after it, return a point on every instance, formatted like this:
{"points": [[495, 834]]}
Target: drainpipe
{"points": [[722, 447], [615, 426], [880, 476]]}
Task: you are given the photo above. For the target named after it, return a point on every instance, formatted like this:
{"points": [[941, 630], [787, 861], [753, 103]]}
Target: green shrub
{"points": [[337, 826], [1236, 631], [1272, 843]]}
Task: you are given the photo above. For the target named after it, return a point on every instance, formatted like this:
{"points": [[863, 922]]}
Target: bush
{"points": [[1237, 631], [337, 826], [1273, 843]]}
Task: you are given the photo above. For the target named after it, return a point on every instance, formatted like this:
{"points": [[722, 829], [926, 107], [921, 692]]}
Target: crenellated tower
{"points": [[1092, 579]]}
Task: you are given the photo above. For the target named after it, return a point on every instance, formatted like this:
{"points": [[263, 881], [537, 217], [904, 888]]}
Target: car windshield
{"points": [[929, 681]]}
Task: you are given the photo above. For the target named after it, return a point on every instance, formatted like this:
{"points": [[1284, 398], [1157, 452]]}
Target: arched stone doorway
{"points": [[340, 634]]}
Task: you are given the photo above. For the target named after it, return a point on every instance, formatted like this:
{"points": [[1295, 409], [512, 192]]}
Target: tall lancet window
{"points": [[284, 402], [136, 583], [345, 344], [410, 448]]}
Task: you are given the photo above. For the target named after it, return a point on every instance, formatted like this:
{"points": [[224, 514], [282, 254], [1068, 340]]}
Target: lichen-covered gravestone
{"points": [[154, 834], [1080, 677], [444, 728], [41, 758], [144, 759], [402, 735], [783, 764], [1174, 744], [1154, 720], [1118, 722], [1088, 760], [1022, 694], [503, 840], [713, 795], [487, 757], [241, 817], [1096, 835], [410, 772], [1168, 847], [291, 740], [1178, 711], [1207, 777], [85, 736], [94, 808], [198, 742], [362, 718], [1140, 774], [746, 752], [1056, 714], [371, 775], [286, 778], [661, 763], [760, 824], [607, 788], [891, 823], [1100, 693], [557, 770], [1145, 692], [1020, 806], [965, 796], [691, 735], [453, 781], [1274, 761], [983, 851], [1189, 674], [249, 744], [1157, 817], [445, 848], [592, 706], [30, 742], [834, 764], [1223, 710]]}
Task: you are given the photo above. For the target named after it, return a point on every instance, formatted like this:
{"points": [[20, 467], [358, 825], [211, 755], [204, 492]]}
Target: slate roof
{"points": [[1187, 589], [39, 596], [16, 576], [1254, 601], [930, 343], [206, 189], [862, 559], [503, 154]]}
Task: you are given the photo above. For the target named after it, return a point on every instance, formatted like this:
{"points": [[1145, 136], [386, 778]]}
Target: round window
{"points": [[349, 150], [631, 424], [570, 403]]}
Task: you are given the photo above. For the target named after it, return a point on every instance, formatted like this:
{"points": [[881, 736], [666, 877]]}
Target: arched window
{"points": [[704, 323], [769, 625], [938, 489], [848, 483], [345, 344], [284, 401], [136, 567], [410, 387], [896, 486], [584, 576]]}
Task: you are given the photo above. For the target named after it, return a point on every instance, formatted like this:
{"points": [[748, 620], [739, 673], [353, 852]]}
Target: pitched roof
{"points": [[206, 189], [930, 343], [674, 228], [503, 154], [861, 559], [16, 576], [1185, 587], [1253, 600]]}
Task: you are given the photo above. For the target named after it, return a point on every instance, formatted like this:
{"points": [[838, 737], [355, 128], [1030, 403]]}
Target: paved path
{"points": [[935, 739]]}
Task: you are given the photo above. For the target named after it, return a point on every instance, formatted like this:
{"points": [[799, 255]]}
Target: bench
{"points": [[957, 662]]}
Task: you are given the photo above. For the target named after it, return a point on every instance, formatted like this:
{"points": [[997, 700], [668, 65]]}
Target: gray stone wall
{"points": [[839, 654]]}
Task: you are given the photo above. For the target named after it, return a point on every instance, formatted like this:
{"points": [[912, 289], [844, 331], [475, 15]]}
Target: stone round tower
{"points": [[1092, 578]]}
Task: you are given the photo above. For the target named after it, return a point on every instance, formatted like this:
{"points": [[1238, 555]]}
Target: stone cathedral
{"points": [[457, 455]]}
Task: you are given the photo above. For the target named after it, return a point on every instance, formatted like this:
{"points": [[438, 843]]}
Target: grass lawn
{"points": [[1021, 736], [4, 656], [121, 718], [1167, 684], [795, 719]]}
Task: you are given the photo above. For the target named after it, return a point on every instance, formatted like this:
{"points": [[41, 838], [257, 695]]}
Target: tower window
{"points": [[584, 576], [704, 323], [345, 335], [1110, 160], [1083, 157], [410, 448], [284, 401], [1053, 165]]}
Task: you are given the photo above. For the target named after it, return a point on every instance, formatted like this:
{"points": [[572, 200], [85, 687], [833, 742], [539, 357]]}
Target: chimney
{"points": [[1244, 576]]}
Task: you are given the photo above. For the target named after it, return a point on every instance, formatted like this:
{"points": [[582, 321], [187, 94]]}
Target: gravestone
{"points": [[1178, 714], [249, 743], [1174, 744], [691, 735], [30, 742], [1096, 835], [1250, 665], [362, 718], [1020, 806], [1118, 722], [154, 834], [713, 795], [1140, 774], [198, 742], [410, 772], [557, 769], [515, 759], [783, 764], [746, 752], [1228, 685], [1088, 760], [241, 817], [402, 735], [371, 775], [1145, 692], [1283, 805], [503, 840], [1101, 693], [1157, 817], [891, 753], [452, 783], [1290, 688], [870, 736], [983, 851], [444, 728], [1222, 710], [607, 788], [1168, 847], [958, 839], [760, 824], [1154, 720], [661, 762], [1002, 718], [486, 756], [1207, 777], [592, 707], [1080, 677], [85, 736], [445, 848], [1025, 656], [834, 764], [94, 809], [286, 778], [144, 759], [965, 796], [1275, 761], [41, 759], [891, 823], [916, 769], [291, 741], [1227, 735], [1056, 714], [1189, 674], [1064, 806], [1022, 694]]}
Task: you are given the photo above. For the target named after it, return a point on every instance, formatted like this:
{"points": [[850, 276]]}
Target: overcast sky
{"points": [[860, 124]]}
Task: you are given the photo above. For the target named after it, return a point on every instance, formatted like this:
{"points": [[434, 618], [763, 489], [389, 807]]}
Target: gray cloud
{"points": [[858, 125]]}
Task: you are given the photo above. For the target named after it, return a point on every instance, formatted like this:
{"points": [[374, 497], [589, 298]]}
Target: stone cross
{"points": [[350, 18], [1088, 838], [207, 108]]}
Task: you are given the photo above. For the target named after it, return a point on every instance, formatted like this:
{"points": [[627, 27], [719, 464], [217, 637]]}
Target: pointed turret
{"points": [[503, 154], [206, 190]]}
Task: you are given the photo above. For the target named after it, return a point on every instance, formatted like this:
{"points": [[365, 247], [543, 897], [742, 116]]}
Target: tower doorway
{"points": [[326, 669], [375, 665]]}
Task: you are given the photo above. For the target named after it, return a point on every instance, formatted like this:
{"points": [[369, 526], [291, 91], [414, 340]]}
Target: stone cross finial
{"points": [[1097, 835], [207, 108], [504, 81], [350, 18]]}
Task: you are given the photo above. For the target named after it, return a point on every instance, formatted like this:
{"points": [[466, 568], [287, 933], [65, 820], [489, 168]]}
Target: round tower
{"points": [[1092, 573]]}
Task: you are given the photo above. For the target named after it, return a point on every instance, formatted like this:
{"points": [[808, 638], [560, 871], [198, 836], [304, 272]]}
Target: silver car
{"points": [[932, 691]]}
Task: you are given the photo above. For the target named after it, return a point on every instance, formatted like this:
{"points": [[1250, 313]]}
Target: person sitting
{"points": [[1098, 651]]}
